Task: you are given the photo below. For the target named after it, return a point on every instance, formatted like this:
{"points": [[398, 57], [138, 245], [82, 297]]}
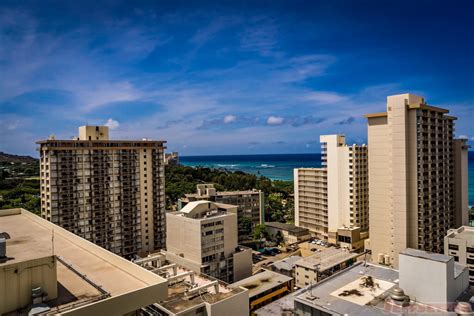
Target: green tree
{"points": [[260, 232], [278, 238]]}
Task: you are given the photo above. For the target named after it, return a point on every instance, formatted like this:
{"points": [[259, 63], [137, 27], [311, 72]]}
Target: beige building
{"points": [[321, 265], [265, 287], [290, 233], [250, 205], [412, 172], [110, 192], [459, 243], [461, 185], [45, 268], [202, 237], [334, 197], [191, 293]]}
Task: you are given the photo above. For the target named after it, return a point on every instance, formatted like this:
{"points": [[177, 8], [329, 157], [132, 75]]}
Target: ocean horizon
{"points": [[280, 166]]}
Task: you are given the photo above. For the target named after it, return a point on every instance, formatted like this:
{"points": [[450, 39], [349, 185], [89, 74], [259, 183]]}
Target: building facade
{"points": [[412, 178], [459, 243], [334, 196], [250, 205], [110, 192], [202, 237]]}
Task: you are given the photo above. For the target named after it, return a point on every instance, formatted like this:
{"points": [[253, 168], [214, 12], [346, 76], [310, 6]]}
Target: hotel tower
{"points": [[110, 192], [413, 166], [333, 201]]}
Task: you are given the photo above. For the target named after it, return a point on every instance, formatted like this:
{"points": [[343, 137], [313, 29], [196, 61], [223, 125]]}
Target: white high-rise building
{"points": [[332, 201]]}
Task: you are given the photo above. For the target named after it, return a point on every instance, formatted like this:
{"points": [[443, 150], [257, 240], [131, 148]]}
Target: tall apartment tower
{"points": [[332, 201], [110, 192], [412, 167]]}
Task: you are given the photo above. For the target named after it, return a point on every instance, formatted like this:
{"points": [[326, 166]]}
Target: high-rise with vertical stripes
{"points": [[413, 162], [110, 192]]}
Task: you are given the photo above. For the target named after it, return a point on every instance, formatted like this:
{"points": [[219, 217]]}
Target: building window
{"points": [[453, 247], [456, 258]]}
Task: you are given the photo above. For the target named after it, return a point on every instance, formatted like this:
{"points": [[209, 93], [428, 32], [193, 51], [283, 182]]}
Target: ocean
{"points": [[280, 167]]}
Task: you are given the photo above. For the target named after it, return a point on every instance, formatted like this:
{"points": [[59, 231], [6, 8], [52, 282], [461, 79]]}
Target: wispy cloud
{"points": [[346, 121], [275, 120], [112, 124]]}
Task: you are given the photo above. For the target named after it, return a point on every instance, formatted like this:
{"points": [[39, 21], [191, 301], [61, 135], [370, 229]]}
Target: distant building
{"points": [[290, 233], [171, 158], [202, 237], [459, 243], [49, 270], [110, 192], [191, 293], [321, 265], [285, 266], [265, 287], [250, 205], [417, 172], [426, 283], [335, 197]]}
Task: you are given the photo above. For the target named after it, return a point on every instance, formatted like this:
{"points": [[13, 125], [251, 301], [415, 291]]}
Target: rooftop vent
{"points": [[398, 297]]}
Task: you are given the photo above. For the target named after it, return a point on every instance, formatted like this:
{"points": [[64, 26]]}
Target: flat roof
{"points": [[261, 282], [463, 233], [379, 114], [223, 193], [426, 255], [288, 227], [327, 258], [33, 237], [287, 263], [333, 295]]}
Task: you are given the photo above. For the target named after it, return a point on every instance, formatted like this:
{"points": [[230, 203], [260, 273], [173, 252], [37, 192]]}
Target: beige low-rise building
{"points": [[417, 173], [313, 269], [459, 243], [202, 237], [45, 268], [334, 198], [265, 287], [250, 205], [110, 192], [290, 233]]}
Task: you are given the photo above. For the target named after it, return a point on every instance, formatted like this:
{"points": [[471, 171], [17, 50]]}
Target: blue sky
{"points": [[227, 77]]}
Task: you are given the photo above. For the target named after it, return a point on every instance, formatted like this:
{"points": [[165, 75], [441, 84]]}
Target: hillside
{"points": [[4, 157]]}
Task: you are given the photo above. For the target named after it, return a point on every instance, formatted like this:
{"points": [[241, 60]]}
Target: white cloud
{"points": [[324, 97], [112, 124], [229, 119], [275, 120], [463, 136]]}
